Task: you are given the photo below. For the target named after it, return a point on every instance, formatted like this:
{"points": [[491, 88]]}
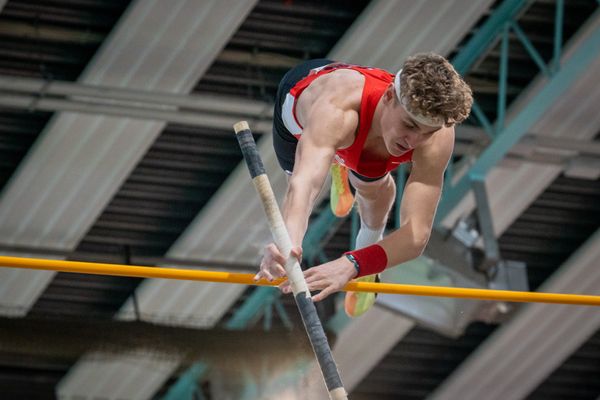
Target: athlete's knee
{"points": [[384, 188]]}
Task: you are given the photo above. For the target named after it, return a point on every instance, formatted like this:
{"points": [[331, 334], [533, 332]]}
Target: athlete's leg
{"points": [[375, 200]]}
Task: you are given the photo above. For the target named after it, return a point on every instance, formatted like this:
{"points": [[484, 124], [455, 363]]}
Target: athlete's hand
{"points": [[330, 277], [273, 262]]}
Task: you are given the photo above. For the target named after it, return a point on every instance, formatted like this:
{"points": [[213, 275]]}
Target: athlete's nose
{"points": [[412, 140]]}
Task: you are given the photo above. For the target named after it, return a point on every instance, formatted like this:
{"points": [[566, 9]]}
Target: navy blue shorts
{"points": [[284, 142]]}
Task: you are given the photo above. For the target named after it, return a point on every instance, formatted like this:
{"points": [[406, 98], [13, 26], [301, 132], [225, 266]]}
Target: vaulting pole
{"points": [[307, 309]]}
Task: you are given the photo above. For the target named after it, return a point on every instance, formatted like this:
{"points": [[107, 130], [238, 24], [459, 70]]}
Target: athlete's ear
{"points": [[390, 94]]}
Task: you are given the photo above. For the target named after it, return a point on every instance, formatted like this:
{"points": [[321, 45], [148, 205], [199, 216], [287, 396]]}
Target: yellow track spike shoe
{"points": [[358, 303], [341, 198]]}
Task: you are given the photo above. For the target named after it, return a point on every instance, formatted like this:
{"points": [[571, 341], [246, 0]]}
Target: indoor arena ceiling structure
{"points": [[117, 146]]}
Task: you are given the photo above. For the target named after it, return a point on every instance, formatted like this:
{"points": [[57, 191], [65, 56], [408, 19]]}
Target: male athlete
{"points": [[368, 121]]}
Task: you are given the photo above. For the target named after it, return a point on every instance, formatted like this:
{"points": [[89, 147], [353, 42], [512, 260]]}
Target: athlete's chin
{"points": [[397, 150]]}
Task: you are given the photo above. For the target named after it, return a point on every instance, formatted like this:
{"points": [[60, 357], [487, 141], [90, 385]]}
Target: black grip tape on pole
{"points": [[250, 152], [318, 340]]}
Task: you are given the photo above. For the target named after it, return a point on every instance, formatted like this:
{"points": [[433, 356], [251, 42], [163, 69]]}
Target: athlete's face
{"points": [[400, 132]]}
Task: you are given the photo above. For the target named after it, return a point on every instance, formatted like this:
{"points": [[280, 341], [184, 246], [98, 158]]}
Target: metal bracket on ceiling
{"points": [[486, 225]]}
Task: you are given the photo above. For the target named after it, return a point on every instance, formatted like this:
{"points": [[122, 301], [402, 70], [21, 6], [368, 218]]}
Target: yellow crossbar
{"points": [[247, 279]]}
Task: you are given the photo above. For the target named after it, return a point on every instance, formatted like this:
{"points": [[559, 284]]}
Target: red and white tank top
{"points": [[376, 82]]}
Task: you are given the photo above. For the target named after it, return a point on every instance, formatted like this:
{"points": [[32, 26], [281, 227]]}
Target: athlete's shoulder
{"points": [[342, 87], [437, 150]]}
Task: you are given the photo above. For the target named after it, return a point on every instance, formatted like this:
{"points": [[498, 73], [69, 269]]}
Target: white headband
{"points": [[429, 121]]}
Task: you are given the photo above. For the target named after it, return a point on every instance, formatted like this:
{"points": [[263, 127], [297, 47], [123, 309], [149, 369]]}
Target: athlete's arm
{"points": [[420, 199], [314, 155], [329, 124]]}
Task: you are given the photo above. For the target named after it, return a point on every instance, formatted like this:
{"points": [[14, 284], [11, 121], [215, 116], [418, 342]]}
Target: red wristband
{"points": [[371, 260]]}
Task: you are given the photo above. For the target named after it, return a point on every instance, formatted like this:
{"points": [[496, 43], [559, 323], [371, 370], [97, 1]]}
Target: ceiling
{"points": [[108, 188]]}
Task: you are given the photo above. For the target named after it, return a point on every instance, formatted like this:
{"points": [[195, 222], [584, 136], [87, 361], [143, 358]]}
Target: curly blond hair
{"points": [[431, 87]]}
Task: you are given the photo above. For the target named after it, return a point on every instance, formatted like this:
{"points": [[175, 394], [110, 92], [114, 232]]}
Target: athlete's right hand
{"points": [[273, 262]]}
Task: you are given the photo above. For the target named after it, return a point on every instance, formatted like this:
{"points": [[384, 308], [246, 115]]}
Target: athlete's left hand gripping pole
{"points": [[307, 309]]}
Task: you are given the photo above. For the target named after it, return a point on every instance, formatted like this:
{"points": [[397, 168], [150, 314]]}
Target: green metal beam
{"points": [[503, 78], [483, 39], [587, 52], [254, 304], [318, 229], [533, 53], [558, 33], [186, 387], [487, 34], [354, 227], [400, 184], [483, 120]]}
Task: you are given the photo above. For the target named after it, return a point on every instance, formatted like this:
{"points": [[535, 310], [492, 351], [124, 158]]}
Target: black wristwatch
{"points": [[354, 262]]}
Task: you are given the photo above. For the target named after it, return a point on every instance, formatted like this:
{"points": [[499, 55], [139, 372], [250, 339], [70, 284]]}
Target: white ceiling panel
{"points": [[388, 31], [192, 304], [356, 343], [232, 227], [170, 45], [80, 161], [135, 376]]}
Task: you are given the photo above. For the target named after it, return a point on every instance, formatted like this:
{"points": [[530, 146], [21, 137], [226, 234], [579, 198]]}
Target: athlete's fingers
{"points": [[273, 252], [267, 275], [285, 286], [278, 271], [314, 281], [323, 294], [297, 252], [318, 284]]}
